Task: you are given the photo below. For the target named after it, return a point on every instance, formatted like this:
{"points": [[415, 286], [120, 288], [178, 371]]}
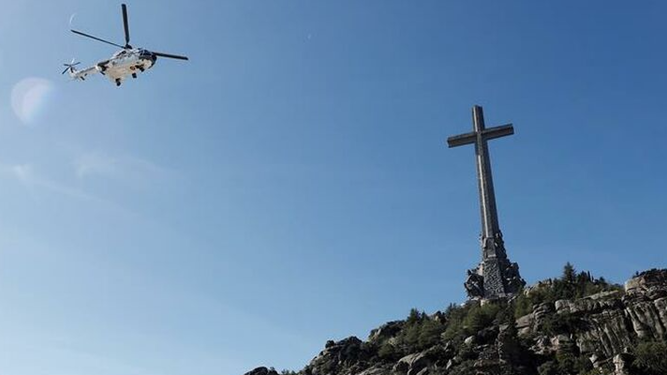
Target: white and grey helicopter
{"points": [[127, 62]]}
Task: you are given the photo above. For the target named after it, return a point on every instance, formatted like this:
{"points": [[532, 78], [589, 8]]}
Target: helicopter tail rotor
{"points": [[70, 67]]}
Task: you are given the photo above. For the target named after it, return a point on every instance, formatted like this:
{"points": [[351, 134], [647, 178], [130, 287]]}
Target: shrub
{"points": [[651, 357], [583, 365], [429, 333], [455, 315], [388, 351], [561, 323], [548, 368], [415, 317], [480, 317], [419, 332], [597, 371], [523, 305]]}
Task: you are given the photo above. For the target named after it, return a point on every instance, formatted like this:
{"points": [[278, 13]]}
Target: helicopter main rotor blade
{"points": [[96, 38], [170, 56], [126, 26]]}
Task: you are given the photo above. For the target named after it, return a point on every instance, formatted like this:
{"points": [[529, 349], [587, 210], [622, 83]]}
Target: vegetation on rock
{"points": [[651, 357], [573, 325], [570, 286]]}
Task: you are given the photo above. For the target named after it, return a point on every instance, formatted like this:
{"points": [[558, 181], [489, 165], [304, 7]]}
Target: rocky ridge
{"points": [[606, 329]]}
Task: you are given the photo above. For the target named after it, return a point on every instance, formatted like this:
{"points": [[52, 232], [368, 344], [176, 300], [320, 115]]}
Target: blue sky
{"points": [[290, 184]]}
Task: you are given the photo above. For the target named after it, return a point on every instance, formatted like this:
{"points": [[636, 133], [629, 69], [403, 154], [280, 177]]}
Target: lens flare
{"points": [[30, 99]]}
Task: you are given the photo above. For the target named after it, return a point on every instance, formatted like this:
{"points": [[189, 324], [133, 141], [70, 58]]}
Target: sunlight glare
{"points": [[30, 99]]}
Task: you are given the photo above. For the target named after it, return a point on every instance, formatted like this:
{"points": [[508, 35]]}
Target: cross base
{"points": [[495, 277]]}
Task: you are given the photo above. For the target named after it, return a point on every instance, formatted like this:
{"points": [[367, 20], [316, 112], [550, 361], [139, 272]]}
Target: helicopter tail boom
{"points": [[81, 74]]}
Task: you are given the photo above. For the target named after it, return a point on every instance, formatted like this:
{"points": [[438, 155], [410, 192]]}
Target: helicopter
{"points": [[125, 63]]}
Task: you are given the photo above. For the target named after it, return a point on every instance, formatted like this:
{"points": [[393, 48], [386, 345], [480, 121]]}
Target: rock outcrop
{"points": [[594, 334], [262, 371]]}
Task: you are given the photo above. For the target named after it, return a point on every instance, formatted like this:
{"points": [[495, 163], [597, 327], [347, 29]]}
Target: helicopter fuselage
{"points": [[127, 62], [124, 63]]}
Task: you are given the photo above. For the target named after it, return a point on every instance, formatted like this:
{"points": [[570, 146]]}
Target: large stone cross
{"points": [[495, 277]]}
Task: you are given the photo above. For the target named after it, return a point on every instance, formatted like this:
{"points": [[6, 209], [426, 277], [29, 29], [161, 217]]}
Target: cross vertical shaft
{"points": [[495, 277], [487, 196]]}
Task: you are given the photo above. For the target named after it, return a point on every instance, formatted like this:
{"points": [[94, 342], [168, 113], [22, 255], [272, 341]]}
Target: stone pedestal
{"points": [[495, 277]]}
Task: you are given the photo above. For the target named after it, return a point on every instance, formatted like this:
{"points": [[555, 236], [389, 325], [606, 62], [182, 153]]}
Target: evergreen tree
{"points": [[569, 273]]}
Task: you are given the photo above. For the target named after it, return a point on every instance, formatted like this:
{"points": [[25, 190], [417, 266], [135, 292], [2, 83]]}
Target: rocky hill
{"points": [[575, 324]]}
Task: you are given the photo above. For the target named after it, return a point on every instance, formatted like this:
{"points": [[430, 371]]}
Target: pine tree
{"points": [[569, 273]]}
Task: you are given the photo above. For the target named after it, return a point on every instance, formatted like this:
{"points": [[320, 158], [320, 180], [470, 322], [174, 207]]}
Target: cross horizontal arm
{"points": [[498, 131], [462, 139]]}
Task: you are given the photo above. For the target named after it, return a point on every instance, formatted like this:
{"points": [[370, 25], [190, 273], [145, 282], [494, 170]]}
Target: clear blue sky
{"points": [[290, 184]]}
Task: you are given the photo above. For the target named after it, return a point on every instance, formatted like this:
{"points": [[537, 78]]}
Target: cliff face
{"points": [[607, 332]]}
